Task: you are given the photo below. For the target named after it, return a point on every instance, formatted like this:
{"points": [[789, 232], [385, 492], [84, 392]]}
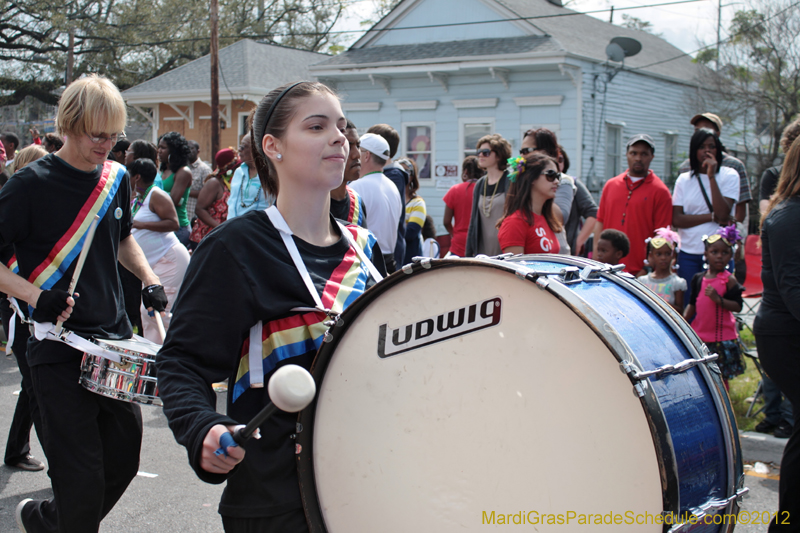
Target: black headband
{"points": [[259, 128]]}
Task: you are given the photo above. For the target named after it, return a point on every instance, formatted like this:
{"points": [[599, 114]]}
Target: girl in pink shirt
{"points": [[531, 219], [716, 295]]}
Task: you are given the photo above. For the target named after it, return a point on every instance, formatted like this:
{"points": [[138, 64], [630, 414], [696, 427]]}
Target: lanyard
{"points": [[255, 354]]}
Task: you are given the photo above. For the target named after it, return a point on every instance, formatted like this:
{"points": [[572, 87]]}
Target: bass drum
{"points": [[540, 390]]}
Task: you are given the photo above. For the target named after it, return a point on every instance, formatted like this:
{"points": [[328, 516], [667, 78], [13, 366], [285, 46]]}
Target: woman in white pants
{"points": [[154, 223]]}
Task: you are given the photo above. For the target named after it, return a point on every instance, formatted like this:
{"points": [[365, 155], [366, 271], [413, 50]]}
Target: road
{"points": [[167, 497]]}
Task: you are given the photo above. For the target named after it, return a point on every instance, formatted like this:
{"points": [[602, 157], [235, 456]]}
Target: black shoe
{"points": [[784, 430], [29, 463], [765, 426], [18, 514]]}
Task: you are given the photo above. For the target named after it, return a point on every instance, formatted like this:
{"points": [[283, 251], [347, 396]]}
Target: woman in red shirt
{"points": [[531, 219], [458, 206]]}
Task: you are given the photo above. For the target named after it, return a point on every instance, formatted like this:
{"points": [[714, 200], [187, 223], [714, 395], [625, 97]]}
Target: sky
{"points": [[687, 26]]}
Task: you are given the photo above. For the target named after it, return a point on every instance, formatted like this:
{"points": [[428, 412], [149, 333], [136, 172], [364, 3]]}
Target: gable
{"points": [[432, 12]]}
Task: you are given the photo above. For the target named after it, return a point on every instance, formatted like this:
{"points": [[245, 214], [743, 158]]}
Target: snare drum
{"points": [[133, 379], [541, 390]]}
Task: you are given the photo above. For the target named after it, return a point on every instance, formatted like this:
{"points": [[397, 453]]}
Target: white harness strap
{"points": [[12, 324], [47, 331], [255, 352]]}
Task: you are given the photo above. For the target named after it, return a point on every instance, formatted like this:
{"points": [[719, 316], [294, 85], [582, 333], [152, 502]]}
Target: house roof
{"points": [[587, 36], [564, 31], [246, 68], [470, 48]]}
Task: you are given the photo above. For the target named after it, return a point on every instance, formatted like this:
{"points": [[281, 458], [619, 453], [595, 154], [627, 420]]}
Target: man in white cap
{"points": [[380, 196]]}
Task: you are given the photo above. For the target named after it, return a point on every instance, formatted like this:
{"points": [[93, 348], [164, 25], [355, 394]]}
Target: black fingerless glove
{"points": [[155, 297], [50, 305]]}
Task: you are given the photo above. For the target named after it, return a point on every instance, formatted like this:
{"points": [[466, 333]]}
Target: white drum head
{"points": [[529, 415], [135, 344]]}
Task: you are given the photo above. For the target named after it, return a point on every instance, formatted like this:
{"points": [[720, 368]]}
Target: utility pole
{"points": [[611, 18], [214, 81], [70, 55], [719, 28]]}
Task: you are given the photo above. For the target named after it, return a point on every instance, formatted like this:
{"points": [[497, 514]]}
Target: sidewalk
{"points": [[761, 447]]}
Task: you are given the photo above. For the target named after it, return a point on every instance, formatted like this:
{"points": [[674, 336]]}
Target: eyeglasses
{"points": [[485, 152], [526, 151], [552, 175], [100, 139]]}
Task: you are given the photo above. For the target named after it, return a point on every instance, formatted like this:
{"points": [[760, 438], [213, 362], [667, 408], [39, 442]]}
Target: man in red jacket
{"points": [[636, 202]]}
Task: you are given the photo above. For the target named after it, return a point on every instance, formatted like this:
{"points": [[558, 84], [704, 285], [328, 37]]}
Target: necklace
{"points": [[138, 202], [243, 191], [631, 187], [487, 211]]}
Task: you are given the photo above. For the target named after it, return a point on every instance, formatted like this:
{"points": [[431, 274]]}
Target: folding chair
{"points": [[753, 288]]}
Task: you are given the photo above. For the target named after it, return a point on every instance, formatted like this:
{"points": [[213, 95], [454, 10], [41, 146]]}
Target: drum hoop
{"points": [[111, 345], [659, 429], [693, 344]]}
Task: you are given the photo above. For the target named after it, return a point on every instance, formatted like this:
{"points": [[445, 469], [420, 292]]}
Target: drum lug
{"points": [[640, 389], [570, 274], [408, 269], [541, 281], [591, 273], [707, 508], [628, 368]]}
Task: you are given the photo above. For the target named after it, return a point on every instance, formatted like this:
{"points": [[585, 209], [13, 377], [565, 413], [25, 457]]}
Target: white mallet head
{"points": [[291, 388]]}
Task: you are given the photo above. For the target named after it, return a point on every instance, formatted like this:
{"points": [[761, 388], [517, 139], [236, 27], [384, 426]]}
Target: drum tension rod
{"points": [[630, 369], [706, 509]]}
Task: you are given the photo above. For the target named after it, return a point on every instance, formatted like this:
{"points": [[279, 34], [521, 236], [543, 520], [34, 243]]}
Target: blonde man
{"points": [[91, 442]]}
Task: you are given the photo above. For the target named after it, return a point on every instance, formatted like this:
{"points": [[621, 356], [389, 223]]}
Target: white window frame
{"points": [[615, 129], [404, 149], [242, 124], [462, 122]]}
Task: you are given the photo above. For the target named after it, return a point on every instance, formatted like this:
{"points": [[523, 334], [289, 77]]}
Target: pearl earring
{"points": [[279, 156]]}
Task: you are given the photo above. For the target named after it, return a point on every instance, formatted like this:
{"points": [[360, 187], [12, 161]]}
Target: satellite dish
{"points": [[615, 52], [631, 47]]}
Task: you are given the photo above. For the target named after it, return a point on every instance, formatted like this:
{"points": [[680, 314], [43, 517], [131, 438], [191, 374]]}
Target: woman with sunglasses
{"points": [[489, 196], [415, 211], [530, 222], [572, 198]]}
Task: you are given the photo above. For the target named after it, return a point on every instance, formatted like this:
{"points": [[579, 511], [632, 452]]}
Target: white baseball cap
{"points": [[375, 144]]}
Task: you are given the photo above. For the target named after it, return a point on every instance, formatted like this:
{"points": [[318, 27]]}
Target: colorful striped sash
{"points": [[356, 214], [298, 334], [69, 245], [13, 265]]}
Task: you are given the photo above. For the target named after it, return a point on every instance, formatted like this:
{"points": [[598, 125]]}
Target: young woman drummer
{"points": [[243, 276]]}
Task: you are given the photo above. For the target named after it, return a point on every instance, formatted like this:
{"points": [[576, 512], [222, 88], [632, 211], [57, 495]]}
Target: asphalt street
{"points": [[167, 497]]}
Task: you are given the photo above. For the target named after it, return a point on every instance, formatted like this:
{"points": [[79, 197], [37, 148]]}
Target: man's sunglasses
{"points": [[526, 151], [485, 152]]}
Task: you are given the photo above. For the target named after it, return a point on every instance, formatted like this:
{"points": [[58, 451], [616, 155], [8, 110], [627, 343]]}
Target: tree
{"points": [[635, 23], [759, 74], [133, 40]]}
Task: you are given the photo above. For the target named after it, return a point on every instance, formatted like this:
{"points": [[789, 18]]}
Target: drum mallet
{"points": [[87, 242], [291, 389], [160, 324]]}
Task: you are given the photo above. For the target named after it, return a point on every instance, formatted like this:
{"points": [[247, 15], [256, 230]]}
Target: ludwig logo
{"points": [[480, 315]]}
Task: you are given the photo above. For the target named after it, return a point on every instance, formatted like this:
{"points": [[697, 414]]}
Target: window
{"points": [[470, 131], [418, 144], [243, 129], [670, 158], [613, 150]]}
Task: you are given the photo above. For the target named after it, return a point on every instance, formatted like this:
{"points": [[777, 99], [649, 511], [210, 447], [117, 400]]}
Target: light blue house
{"points": [[446, 72]]}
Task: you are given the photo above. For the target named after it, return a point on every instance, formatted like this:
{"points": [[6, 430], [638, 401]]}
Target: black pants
{"points": [[780, 357], [26, 413], [92, 445], [291, 522], [391, 265]]}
